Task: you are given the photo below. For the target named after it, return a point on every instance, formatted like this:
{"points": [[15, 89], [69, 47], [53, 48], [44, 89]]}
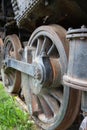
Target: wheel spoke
{"points": [[51, 50], [46, 44], [39, 46], [12, 54], [57, 94], [43, 49], [46, 109], [52, 102], [36, 107], [9, 46], [10, 78]]}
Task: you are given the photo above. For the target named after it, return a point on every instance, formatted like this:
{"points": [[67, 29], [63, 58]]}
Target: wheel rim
{"points": [[11, 77], [50, 103], [1, 52]]}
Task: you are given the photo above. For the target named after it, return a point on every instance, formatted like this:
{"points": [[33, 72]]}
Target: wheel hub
{"points": [[43, 73]]}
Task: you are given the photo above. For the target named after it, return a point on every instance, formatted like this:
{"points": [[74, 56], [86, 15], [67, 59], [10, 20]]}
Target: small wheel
{"points": [[11, 77], [52, 104]]}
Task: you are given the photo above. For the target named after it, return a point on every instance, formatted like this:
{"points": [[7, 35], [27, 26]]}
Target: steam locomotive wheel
{"points": [[11, 77], [53, 105]]}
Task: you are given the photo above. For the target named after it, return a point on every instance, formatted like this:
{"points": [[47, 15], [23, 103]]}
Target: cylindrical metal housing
{"points": [[77, 67]]}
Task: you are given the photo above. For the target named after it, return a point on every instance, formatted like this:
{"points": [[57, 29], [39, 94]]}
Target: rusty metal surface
{"points": [[11, 78], [72, 109]]}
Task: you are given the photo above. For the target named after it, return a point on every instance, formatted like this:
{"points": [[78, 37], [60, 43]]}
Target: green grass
{"points": [[11, 116]]}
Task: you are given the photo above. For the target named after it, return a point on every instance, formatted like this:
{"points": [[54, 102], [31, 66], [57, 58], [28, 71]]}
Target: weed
{"points": [[11, 116]]}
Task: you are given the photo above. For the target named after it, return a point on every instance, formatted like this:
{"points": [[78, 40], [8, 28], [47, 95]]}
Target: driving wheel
{"points": [[11, 77], [52, 105]]}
